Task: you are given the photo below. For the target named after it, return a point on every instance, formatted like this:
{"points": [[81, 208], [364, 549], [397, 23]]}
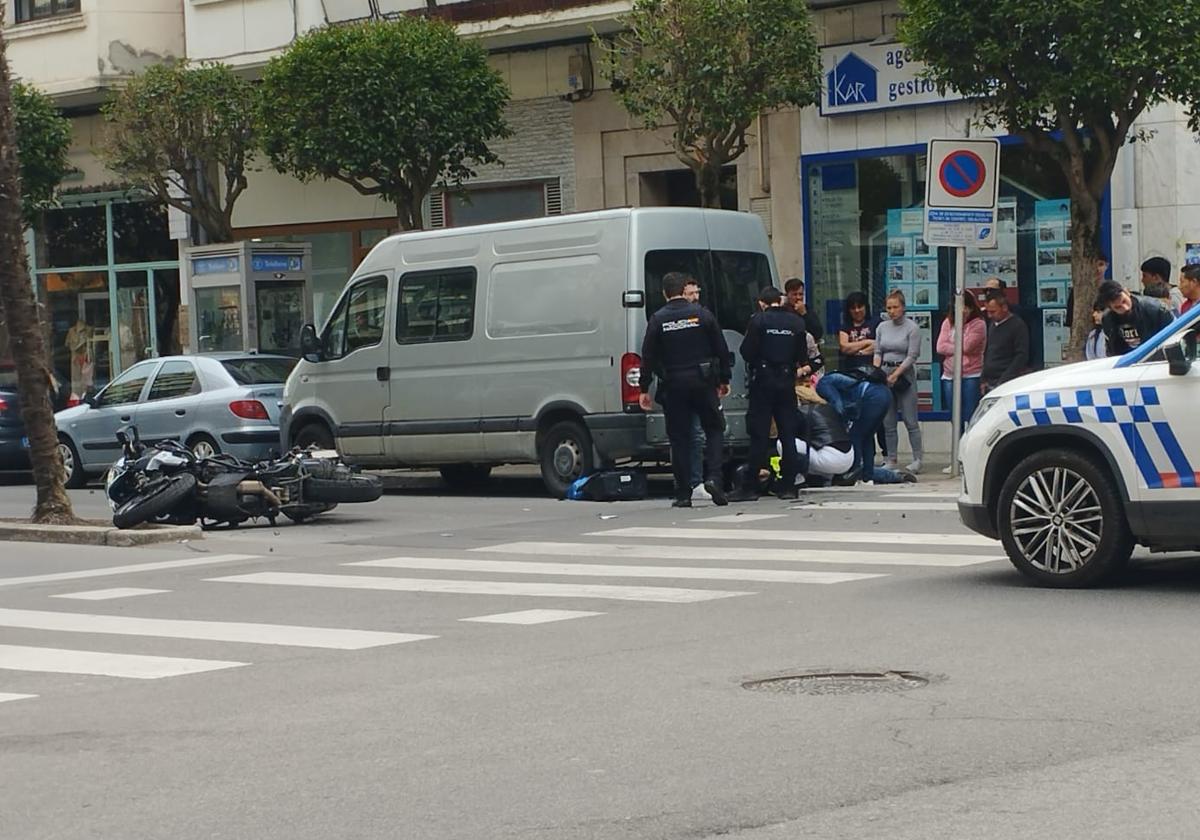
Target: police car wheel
{"points": [[1062, 521], [564, 455]]}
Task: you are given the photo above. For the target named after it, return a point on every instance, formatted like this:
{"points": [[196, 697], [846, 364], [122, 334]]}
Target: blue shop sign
{"points": [[214, 265], [276, 262], [872, 77]]}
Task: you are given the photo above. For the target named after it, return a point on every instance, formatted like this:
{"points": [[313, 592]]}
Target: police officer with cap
{"points": [[775, 345], [685, 349]]}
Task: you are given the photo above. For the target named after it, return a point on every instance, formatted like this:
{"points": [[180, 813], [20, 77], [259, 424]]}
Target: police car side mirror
{"points": [[1178, 359]]}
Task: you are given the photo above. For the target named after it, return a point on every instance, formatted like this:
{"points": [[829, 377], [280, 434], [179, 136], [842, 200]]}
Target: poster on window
{"points": [[1056, 337], [1001, 261], [1191, 253], [1052, 231], [925, 366], [911, 265]]}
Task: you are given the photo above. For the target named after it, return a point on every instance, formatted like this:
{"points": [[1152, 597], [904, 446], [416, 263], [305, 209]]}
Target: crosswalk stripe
{"points": [[742, 517], [96, 663], [800, 536], [878, 507], [126, 570], [660, 594], [598, 570], [799, 554], [4, 698], [212, 631], [901, 495], [109, 594], [531, 616]]}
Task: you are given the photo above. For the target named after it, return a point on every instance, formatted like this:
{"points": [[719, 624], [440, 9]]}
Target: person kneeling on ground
{"points": [[861, 404]]}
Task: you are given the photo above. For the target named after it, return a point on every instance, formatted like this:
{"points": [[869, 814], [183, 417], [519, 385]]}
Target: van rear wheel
{"points": [[564, 455]]}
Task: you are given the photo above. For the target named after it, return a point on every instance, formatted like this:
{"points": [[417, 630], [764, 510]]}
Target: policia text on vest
{"points": [[775, 346], [685, 350]]}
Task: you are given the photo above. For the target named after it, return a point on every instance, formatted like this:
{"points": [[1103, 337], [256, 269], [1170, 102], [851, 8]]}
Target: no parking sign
{"points": [[962, 186]]}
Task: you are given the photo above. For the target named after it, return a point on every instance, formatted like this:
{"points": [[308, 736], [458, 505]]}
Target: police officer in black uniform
{"points": [[685, 349], [775, 345]]}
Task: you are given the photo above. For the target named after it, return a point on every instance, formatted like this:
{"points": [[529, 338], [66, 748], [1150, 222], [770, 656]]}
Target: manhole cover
{"points": [[840, 682]]}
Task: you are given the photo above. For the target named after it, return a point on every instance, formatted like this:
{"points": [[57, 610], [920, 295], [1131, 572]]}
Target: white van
{"points": [[518, 342]]}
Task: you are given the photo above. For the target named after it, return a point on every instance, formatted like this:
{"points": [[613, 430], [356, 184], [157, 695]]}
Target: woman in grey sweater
{"points": [[897, 346]]}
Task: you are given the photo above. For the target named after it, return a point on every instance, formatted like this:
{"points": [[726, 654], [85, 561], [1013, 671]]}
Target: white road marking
{"points": [[128, 570], [211, 631], [660, 594], [742, 517], [596, 570], [531, 616], [801, 536], [97, 663], [799, 554], [110, 594], [878, 507], [4, 698], [915, 495]]}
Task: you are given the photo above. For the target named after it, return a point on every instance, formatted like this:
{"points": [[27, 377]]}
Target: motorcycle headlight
{"points": [[985, 405]]}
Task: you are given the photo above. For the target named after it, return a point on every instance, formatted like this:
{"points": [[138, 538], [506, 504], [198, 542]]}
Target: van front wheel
{"points": [[565, 454]]}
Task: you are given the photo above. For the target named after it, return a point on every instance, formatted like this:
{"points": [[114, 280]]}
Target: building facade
{"points": [[835, 184]]}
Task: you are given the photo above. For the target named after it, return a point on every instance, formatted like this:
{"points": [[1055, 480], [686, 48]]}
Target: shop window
{"points": [[436, 306], [78, 326], [27, 10], [864, 234], [72, 237], [140, 233], [174, 379], [219, 318]]}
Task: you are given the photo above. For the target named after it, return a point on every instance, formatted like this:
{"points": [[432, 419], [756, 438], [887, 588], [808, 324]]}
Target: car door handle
{"points": [[179, 412], [383, 374]]}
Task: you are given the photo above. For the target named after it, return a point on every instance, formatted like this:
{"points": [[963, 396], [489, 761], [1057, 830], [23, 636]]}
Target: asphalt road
{"points": [[234, 693]]}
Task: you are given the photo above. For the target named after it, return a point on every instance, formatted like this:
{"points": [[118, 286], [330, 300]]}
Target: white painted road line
{"points": [[659, 594], [801, 536], [210, 631], [96, 663], [741, 517], [915, 495], [877, 507], [594, 570], [531, 616], [4, 698], [799, 554], [110, 594], [128, 570]]}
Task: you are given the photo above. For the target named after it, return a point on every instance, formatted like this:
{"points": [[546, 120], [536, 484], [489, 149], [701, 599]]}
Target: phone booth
{"points": [[246, 296]]}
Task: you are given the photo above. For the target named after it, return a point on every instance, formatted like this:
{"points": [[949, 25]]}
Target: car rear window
{"points": [[259, 371]]}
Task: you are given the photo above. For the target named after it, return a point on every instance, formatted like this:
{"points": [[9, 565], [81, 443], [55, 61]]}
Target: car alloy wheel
{"points": [[68, 461], [203, 449], [1057, 520]]}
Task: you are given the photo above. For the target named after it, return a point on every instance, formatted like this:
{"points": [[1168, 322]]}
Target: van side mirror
{"points": [[1180, 354], [310, 345]]}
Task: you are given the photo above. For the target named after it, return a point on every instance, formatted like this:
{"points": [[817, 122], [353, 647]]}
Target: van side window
{"points": [[436, 306], [358, 319]]}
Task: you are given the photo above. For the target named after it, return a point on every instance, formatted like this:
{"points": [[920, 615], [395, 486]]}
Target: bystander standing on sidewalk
{"points": [[897, 347], [973, 344], [1007, 352], [1189, 287]]}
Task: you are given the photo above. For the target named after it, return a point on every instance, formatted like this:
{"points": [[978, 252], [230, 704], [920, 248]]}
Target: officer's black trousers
{"points": [[773, 400], [679, 405]]}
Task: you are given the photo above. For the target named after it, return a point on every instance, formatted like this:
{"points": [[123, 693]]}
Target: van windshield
{"points": [[729, 281]]}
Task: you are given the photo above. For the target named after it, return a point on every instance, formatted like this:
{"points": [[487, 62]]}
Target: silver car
{"points": [[215, 403]]}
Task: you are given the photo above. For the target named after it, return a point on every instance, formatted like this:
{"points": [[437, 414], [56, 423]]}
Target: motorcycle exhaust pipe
{"points": [[257, 488]]}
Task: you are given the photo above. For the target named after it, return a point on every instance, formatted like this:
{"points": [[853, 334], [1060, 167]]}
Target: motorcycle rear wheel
{"points": [[352, 488], [157, 499]]}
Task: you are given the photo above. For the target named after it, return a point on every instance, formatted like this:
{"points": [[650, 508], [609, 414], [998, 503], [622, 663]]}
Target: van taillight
{"points": [[3, 406], [249, 410], [631, 378]]}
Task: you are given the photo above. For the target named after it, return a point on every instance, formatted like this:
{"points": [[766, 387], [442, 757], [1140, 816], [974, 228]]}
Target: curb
{"points": [[97, 534]]}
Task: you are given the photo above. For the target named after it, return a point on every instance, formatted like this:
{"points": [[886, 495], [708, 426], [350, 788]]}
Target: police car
{"points": [[1073, 466]]}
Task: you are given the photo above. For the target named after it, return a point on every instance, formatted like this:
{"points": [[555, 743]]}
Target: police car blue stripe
{"points": [[1141, 455], [1073, 415], [1041, 416], [1179, 460], [1083, 398], [1053, 399], [1140, 414], [1116, 396], [1022, 402], [1105, 414], [1150, 395]]}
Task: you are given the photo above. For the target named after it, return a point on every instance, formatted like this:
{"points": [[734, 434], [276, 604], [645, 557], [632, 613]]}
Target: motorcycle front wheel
{"points": [[158, 497]]}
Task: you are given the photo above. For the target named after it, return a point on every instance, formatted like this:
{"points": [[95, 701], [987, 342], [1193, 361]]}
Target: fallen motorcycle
{"points": [[165, 482]]}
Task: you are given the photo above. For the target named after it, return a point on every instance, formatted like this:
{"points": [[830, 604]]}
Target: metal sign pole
{"points": [[960, 282]]}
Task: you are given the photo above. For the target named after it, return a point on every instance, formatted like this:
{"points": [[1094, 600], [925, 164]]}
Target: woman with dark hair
{"points": [[973, 344], [856, 338]]}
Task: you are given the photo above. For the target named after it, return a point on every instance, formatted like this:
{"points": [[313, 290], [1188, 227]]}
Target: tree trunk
{"points": [[708, 184], [409, 215], [25, 327], [1085, 234]]}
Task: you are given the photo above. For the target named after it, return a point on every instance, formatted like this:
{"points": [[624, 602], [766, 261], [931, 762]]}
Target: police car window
{"points": [[729, 281], [436, 306]]}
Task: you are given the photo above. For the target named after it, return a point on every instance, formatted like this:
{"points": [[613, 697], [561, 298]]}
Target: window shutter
{"points": [[437, 210], [761, 207], [554, 205]]}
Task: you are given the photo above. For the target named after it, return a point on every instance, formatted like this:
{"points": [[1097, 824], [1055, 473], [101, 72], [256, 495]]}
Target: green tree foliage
{"points": [[184, 133], [1070, 78], [391, 108], [43, 138], [709, 68]]}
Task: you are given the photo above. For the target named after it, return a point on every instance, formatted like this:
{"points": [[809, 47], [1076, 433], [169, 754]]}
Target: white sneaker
{"points": [[699, 494], [946, 470], [914, 467]]}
